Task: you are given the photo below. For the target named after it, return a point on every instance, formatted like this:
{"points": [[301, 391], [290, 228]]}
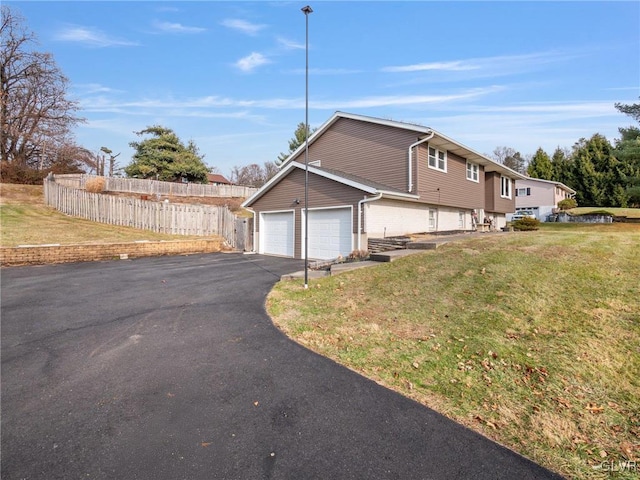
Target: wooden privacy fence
{"points": [[177, 219], [155, 187]]}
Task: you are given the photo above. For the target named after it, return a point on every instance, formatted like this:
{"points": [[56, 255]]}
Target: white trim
{"points": [[360, 226], [316, 171], [437, 158], [475, 170], [411, 147], [509, 194]]}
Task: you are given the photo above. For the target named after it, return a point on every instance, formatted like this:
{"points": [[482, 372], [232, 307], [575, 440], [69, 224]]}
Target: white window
{"points": [[505, 187], [437, 159], [523, 192], [472, 172], [432, 219], [461, 220]]}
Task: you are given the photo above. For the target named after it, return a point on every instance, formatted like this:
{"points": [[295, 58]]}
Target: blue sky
{"points": [[230, 75]]}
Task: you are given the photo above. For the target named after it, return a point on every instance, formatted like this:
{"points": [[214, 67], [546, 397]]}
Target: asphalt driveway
{"points": [[169, 368]]}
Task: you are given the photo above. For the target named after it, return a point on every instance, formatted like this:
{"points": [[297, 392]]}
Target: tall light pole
{"points": [[306, 10]]}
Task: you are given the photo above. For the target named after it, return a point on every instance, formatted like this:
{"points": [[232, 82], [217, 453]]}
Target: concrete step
{"points": [[391, 255]]}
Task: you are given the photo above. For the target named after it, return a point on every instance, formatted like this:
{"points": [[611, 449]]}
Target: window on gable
{"points": [[473, 172], [505, 187], [437, 159]]}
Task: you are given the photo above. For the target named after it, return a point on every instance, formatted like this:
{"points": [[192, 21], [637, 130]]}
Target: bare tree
{"points": [[112, 160], [35, 115], [253, 175], [510, 158]]}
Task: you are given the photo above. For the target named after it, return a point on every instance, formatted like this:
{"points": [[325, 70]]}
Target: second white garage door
{"points": [[330, 233]]}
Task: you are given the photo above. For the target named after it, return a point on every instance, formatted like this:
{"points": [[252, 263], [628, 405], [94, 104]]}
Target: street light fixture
{"points": [[306, 10]]}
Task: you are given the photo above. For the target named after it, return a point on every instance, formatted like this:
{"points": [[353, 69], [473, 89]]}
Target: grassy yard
{"points": [[531, 338], [25, 220], [621, 212]]}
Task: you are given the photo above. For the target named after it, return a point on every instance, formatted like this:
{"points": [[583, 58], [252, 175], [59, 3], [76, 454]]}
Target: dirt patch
{"points": [[20, 194], [232, 203]]}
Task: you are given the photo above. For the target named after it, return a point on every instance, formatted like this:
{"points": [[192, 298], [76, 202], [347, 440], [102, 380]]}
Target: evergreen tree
{"points": [[627, 151], [299, 137], [165, 157], [562, 164], [540, 166], [584, 175], [633, 110], [599, 176]]}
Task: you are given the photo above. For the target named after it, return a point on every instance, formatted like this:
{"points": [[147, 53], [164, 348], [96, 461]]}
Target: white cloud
{"points": [[325, 71], [455, 66], [92, 37], [251, 62], [290, 44], [103, 104], [405, 100], [488, 66], [91, 88], [242, 26], [526, 127], [177, 28]]}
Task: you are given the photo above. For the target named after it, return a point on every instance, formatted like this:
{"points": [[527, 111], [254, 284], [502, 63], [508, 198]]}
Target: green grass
{"points": [[25, 220], [621, 212], [532, 339]]}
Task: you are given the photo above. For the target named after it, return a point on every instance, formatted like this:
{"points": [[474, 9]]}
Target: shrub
{"points": [[567, 204], [95, 185], [526, 223], [358, 255], [12, 173]]}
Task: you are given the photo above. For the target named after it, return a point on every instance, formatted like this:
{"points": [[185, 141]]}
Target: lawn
{"points": [[531, 338], [26, 220], [619, 212]]}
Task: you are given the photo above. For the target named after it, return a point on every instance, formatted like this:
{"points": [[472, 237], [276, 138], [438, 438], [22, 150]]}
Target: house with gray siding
{"points": [[371, 178], [540, 196]]}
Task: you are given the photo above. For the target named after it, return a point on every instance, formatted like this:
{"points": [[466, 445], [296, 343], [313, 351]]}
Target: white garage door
{"points": [[330, 233], [276, 233]]}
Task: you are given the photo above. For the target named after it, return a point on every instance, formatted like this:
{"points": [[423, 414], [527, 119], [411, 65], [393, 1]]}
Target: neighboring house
{"points": [[373, 178], [540, 196], [217, 179]]}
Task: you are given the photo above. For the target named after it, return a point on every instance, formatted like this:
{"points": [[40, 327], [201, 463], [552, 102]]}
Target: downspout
{"points": [[360, 203], [411, 147]]}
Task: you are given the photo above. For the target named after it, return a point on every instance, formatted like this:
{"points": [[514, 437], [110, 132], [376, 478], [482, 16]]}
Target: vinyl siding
{"points": [[493, 201], [376, 152], [455, 189], [322, 193], [542, 194]]}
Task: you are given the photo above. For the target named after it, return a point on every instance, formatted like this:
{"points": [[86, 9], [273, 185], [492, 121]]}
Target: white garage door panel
{"points": [[277, 233], [330, 233]]}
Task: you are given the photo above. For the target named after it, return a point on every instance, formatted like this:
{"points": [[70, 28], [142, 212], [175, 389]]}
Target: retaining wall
{"points": [[43, 254]]}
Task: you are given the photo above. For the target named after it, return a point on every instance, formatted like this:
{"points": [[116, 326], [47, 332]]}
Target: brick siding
{"points": [[44, 254]]}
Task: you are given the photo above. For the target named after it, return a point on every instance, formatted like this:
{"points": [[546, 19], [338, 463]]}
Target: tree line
{"points": [[602, 174]]}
